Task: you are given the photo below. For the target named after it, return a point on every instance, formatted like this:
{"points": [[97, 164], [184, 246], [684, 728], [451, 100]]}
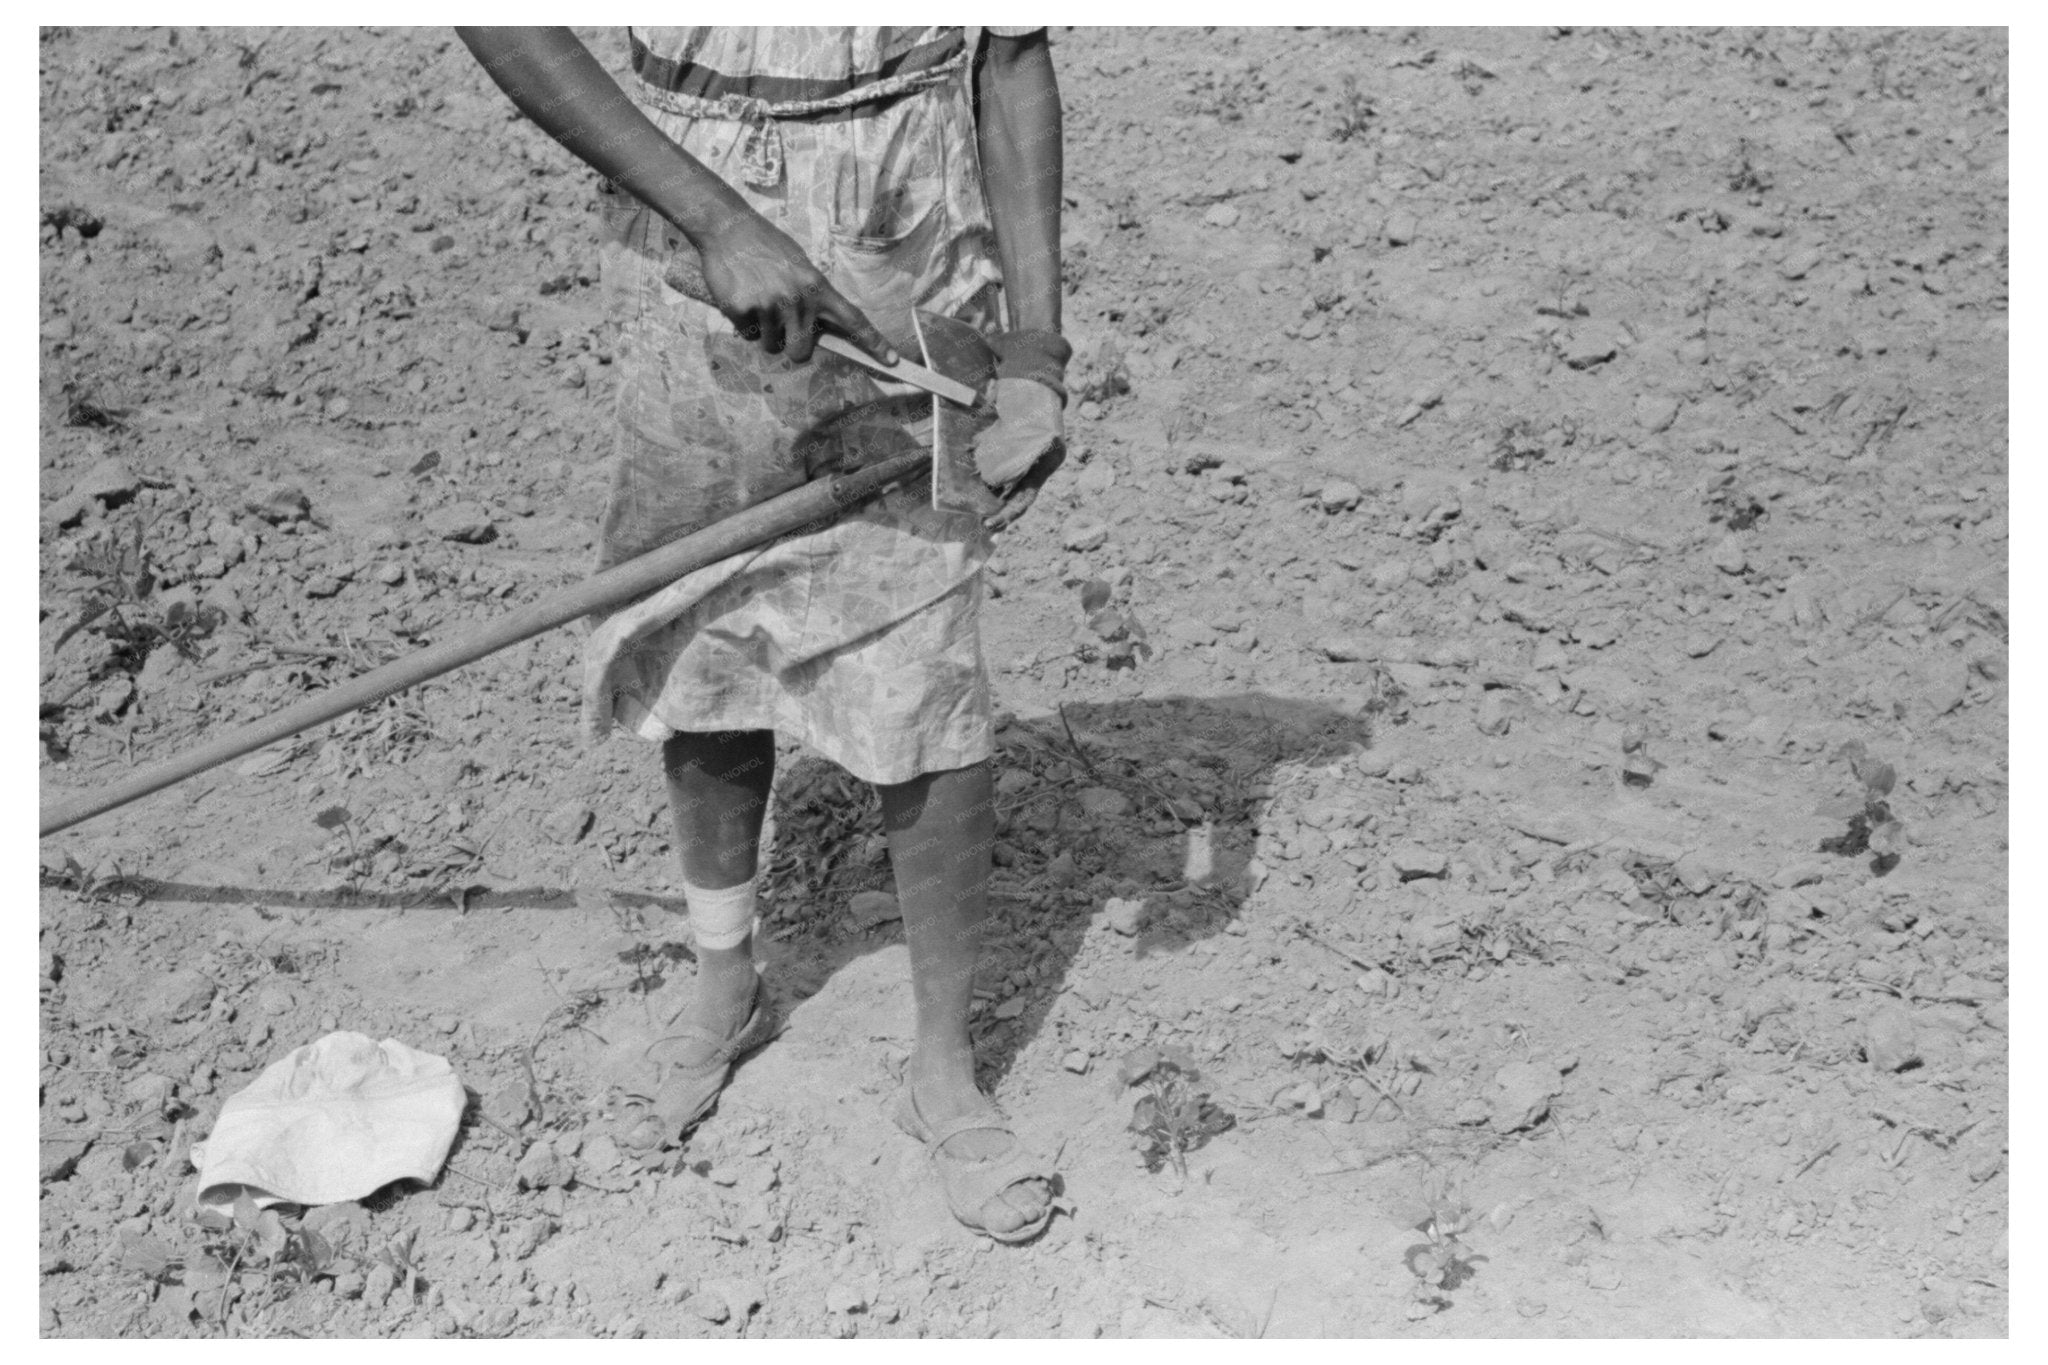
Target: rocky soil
{"points": [[1503, 775]]}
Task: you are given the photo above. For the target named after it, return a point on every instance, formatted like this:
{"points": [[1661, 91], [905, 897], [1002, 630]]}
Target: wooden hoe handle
{"points": [[816, 501]]}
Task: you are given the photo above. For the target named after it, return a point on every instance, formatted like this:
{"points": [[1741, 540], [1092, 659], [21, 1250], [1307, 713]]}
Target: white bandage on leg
{"points": [[720, 919]]}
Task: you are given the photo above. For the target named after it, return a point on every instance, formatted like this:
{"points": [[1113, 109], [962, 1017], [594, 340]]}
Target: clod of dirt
{"points": [[1594, 344], [1731, 555], [1799, 262], [1889, 1040], [1339, 495], [1127, 917], [871, 909], [277, 503], [1526, 1089], [57, 1158], [1082, 535], [543, 1167], [739, 1296], [464, 522], [1656, 412], [181, 995], [111, 481], [568, 822], [1103, 803], [1413, 860], [1496, 711]]}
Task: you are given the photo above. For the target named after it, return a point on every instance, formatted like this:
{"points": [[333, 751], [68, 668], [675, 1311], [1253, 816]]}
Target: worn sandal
{"points": [[970, 1183], [693, 1066]]}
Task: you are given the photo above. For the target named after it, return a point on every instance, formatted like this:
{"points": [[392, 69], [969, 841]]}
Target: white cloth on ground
{"points": [[335, 1120]]}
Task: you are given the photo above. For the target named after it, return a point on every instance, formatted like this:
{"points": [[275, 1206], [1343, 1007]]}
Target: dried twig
{"points": [[1075, 744]]}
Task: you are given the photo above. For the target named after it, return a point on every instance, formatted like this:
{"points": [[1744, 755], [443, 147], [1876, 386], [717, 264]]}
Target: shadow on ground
{"points": [[1154, 800]]}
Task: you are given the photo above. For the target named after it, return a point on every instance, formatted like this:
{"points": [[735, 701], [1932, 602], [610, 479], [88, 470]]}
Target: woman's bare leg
{"points": [[718, 787], [941, 830]]}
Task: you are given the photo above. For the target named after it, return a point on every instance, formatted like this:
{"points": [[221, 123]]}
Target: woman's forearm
{"points": [[555, 81], [1022, 168]]}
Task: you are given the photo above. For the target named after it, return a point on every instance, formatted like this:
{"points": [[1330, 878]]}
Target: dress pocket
{"points": [[886, 277]]}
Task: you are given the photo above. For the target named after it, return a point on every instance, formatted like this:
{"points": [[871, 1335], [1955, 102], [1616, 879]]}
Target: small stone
{"points": [[568, 822], [1889, 1039], [465, 521], [1082, 535], [389, 574], [1103, 802], [1339, 495], [1125, 916], [323, 585], [1731, 555], [1699, 644], [1413, 860], [1496, 711], [869, 909], [1341, 649], [841, 1297], [1656, 412], [1400, 228], [278, 503], [1222, 216], [1603, 1275], [1077, 1061]]}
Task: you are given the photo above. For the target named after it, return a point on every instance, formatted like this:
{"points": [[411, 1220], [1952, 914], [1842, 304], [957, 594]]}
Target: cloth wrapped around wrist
{"points": [[1033, 354]]}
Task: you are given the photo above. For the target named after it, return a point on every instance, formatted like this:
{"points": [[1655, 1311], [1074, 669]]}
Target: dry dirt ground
{"points": [[1530, 457]]}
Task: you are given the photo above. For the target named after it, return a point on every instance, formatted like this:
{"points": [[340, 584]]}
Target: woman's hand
{"points": [[756, 275], [772, 293]]}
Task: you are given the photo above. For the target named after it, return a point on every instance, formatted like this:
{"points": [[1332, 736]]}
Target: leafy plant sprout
{"points": [[1873, 829], [1172, 1117]]}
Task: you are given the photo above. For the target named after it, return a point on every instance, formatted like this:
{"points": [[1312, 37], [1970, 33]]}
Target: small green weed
{"points": [[1873, 829], [284, 1256], [1443, 1262], [1354, 114], [1172, 1117]]}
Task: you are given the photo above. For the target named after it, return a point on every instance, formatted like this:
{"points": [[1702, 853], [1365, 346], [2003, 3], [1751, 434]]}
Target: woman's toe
{"points": [[1018, 1207]]}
